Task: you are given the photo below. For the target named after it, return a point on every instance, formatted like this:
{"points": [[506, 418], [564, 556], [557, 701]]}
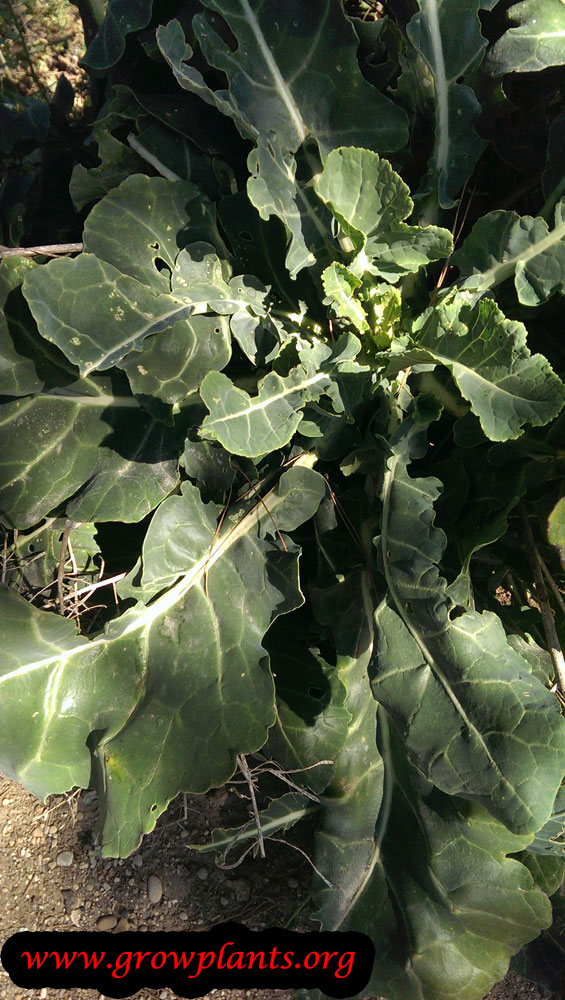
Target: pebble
{"points": [[202, 874], [137, 861], [106, 923], [241, 890], [183, 915], [154, 889], [293, 883], [224, 901], [65, 859], [124, 925], [76, 916]]}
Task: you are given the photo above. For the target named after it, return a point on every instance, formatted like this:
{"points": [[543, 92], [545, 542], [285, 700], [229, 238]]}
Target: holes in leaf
{"points": [[153, 807], [162, 265], [154, 246], [315, 692], [247, 237], [456, 612], [216, 329]]}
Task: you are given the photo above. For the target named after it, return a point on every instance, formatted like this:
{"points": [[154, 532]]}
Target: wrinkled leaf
{"points": [[370, 202], [487, 355], [473, 717], [505, 245]]}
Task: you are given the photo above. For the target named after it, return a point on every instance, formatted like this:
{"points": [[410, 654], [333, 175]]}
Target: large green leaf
{"points": [[370, 201], [536, 43], [254, 426], [505, 245], [134, 300], [446, 34], [506, 386], [475, 720], [121, 18], [172, 689], [87, 442], [285, 59], [393, 849]]}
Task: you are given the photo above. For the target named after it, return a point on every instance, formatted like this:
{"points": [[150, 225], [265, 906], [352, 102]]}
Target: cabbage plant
{"points": [[282, 462]]}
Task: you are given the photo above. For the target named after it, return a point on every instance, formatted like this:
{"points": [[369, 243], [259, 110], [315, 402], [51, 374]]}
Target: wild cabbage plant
{"points": [[310, 422]]}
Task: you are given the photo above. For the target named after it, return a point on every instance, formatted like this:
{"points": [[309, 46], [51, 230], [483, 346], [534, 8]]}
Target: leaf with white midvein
{"points": [[446, 34], [281, 814], [487, 355], [475, 720], [370, 201], [300, 99], [131, 297], [391, 846], [538, 40], [505, 245], [188, 672], [255, 425], [88, 442]]}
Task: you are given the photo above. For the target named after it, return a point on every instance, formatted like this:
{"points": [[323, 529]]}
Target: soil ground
{"points": [[37, 892]]}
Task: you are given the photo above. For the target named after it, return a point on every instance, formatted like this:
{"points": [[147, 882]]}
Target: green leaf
{"points": [[474, 719], [281, 814], [38, 553], [505, 245], [487, 355], [254, 426], [446, 34], [86, 442], [121, 18], [340, 285], [300, 99], [172, 689], [537, 42], [550, 840], [311, 720], [118, 162], [370, 201], [393, 848], [18, 373], [556, 528]]}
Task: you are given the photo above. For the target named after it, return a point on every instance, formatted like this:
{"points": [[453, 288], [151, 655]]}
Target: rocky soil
{"points": [[53, 878]]}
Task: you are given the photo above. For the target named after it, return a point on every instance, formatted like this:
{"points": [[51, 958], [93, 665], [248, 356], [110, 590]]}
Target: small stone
{"points": [[137, 861], [202, 874], [76, 916], [224, 901], [183, 915], [293, 883], [154, 889], [241, 890], [65, 859], [106, 923], [123, 925]]}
